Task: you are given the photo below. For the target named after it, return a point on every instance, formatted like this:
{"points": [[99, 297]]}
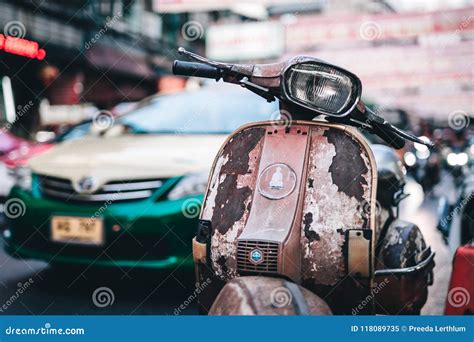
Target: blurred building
{"points": [[100, 51], [417, 57], [414, 55]]}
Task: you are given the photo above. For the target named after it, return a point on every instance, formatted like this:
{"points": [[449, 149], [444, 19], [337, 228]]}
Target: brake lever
{"points": [[256, 89], [411, 137], [371, 116]]}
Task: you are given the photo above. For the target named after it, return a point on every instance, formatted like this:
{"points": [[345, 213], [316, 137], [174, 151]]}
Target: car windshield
{"points": [[204, 111], [75, 132]]}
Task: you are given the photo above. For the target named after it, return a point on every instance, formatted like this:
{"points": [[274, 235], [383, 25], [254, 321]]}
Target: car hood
{"points": [[129, 157], [20, 156]]}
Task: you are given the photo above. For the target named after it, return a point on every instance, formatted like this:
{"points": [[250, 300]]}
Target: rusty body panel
{"points": [[338, 183], [403, 246], [280, 200], [267, 296], [229, 197]]}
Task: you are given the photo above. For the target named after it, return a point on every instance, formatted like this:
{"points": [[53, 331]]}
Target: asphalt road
{"points": [[59, 291], [71, 291]]}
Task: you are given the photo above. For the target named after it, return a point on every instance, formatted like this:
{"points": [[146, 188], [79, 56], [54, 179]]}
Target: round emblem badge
{"points": [[276, 181], [85, 185]]}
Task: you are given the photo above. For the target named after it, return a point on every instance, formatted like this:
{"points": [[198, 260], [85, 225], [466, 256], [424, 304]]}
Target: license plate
{"points": [[77, 230]]}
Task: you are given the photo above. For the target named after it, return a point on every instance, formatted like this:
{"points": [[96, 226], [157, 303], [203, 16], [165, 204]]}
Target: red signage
{"points": [[22, 47]]}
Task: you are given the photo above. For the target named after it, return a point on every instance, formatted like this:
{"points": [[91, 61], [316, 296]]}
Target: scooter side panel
{"points": [[229, 196], [338, 197]]}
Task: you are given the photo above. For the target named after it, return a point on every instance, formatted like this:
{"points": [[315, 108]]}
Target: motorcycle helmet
{"points": [[391, 176]]}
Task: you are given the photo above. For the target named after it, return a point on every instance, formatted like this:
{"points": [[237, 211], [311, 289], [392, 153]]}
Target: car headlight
{"points": [[22, 176], [190, 185]]}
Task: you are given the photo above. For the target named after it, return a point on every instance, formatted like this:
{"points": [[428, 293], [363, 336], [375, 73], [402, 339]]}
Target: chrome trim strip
{"points": [[117, 196], [57, 184], [127, 186]]}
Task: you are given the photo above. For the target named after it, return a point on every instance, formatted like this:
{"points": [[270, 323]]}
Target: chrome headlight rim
{"points": [[23, 177], [356, 85], [179, 190]]}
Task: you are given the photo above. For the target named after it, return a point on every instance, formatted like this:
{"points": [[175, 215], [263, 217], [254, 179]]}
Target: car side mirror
{"points": [[45, 136]]}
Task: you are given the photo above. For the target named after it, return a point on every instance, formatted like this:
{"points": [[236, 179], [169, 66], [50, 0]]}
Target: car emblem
{"points": [[86, 185], [256, 256]]}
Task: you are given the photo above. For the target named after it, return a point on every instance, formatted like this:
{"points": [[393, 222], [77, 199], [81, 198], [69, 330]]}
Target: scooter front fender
{"points": [[256, 295]]}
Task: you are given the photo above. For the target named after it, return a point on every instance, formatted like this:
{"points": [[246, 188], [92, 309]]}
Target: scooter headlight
{"points": [[324, 88]]}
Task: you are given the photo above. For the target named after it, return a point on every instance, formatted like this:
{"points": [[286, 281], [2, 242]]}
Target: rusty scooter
{"points": [[290, 223]]}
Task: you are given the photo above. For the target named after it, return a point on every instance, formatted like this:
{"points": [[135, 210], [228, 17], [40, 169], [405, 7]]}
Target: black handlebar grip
{"points": [[390, 137], [195, 69]]}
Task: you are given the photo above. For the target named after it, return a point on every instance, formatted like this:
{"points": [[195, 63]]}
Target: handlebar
{"points": [[363, 117], [196, 69], [390, 137]]}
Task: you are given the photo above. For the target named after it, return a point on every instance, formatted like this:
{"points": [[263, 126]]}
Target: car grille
{"points": [[270, 256], [113, 191]]}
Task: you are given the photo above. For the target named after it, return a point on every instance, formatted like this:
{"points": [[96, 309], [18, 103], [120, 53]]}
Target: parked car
{"points": [[13, 163], [18, 157], [128, 196], [10, 142]]}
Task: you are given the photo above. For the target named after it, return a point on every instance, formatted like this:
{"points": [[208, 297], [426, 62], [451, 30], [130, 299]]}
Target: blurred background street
{"points": [[97, 132]]}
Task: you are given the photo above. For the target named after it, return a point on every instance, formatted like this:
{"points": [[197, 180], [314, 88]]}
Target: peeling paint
{"points": [[216, 180], [347, 168], [235, 299], [329, 208], [402, 245], [253, 295], [230, 195]]}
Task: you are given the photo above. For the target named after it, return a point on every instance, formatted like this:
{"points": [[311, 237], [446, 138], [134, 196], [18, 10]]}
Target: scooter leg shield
{"points": [[253, 295]]}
